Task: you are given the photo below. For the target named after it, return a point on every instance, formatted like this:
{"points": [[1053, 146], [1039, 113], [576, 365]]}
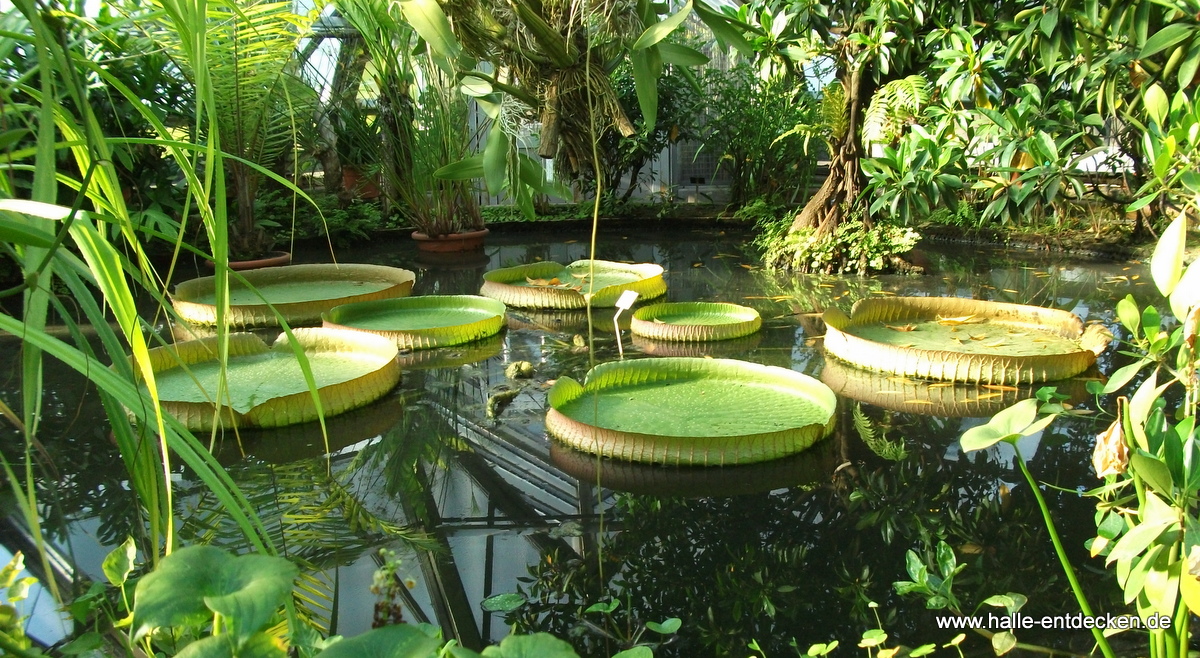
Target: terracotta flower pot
{"points": [[468, 241], [358, 184]]}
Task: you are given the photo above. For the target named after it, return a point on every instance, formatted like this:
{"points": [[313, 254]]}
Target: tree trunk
{"points": [[828, 208]]}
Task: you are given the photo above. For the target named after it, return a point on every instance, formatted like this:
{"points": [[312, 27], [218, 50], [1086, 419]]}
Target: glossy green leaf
{"points": [[259, 645], [465, 169], [1153, 472], [503, 602], [1166, 264], [399, 641], [645, 80], [1186, 294], [428, 19], [673, 53], [1003, 642], [604, 606], [1136, 540], [667, 627], [659, 31], [1122, 376], [538, 645], [495, 159], [475, 86], [1156, 103], [1004, 426], [118, 564], [1167, 37], [1140, 405], [1128, 313], [636, 652], [192, 583], [17, 233], [724, 28]]}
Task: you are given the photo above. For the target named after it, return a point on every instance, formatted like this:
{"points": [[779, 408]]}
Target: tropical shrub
{"points": [[852, 248]]}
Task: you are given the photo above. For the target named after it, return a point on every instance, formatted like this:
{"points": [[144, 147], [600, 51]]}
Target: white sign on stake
{"points": [[625, 301]]}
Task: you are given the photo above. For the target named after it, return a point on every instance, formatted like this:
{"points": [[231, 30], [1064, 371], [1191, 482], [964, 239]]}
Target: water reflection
{"points": [[479, 506]]}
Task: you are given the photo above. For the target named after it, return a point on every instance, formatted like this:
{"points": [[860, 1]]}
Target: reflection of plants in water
{"points": [[801, 563], [319, 513]]}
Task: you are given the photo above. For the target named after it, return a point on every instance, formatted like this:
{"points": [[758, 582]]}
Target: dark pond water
{"points": [[790, 550]]}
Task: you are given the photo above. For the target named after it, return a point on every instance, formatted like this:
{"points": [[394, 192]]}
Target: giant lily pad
{"points": [[927, 398], [300, 293], [567, 321], [963, 340], [814, 465], [418, 323], [265, 385], [453, 356], [694, 321], [550, 285], [728, 348], [690, 411]]}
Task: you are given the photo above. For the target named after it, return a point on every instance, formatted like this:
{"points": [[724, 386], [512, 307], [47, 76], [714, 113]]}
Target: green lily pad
{"points": [[192, 584], [419, 323], [300, 293], [551, 285], [690, 411], [695, 321], [265, 385], [963, 340]]}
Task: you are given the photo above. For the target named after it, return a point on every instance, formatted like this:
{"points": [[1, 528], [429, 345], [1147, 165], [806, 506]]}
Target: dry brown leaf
{"points": [[999, 387], [906, 327], [962, 319]]}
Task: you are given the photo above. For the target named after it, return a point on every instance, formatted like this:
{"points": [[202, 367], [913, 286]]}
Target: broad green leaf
{"points": [[660, 30], [1122, 376], [645, 80], [1003, 642], [604, 606], [1004, 426], [259, 645], [1140, 405], [636, 652], [503, 602], [1127, 312], [1136, 540], [399, 641], [1162, 584], [17, 233], [1165, 38], [538, 645], [192, 583], [1166, 264], [428, 19], [465, 169], [118, 564], [1153, 472], [673, 53], [495, 159], [475, 86], [1186, 294], [873, 638], [724, 28], [667, 627], [1156, 103]]}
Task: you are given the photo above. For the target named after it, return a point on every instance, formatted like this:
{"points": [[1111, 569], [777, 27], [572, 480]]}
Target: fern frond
{"points": [[892, 106], [878, 443], [833, 110]]}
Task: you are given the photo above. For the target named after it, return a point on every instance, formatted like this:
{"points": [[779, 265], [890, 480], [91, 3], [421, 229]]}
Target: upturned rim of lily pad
{"points": [[640, 377], [695, 321], [957, 366], [288, 409], [422, 323], [511, 284], [397, 282]]}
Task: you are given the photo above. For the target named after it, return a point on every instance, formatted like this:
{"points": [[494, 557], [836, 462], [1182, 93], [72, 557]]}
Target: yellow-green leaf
{"points": [[1166, 265], [660, 30]]}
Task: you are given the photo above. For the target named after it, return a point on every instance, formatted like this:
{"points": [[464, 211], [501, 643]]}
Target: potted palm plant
{"points": [[422, 126], [250, 63]]}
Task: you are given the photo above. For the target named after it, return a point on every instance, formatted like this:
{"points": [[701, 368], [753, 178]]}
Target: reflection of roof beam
{"points": [[522, 457]]}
